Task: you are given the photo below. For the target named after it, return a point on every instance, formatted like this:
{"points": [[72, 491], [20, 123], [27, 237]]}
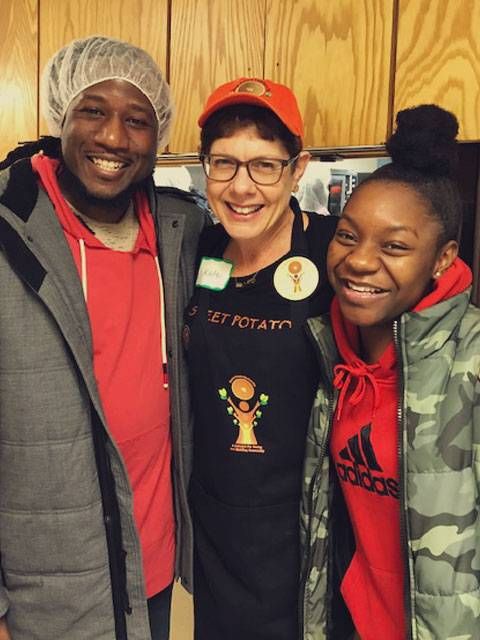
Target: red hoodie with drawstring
{"points": [[365, 451], [124, 297]]}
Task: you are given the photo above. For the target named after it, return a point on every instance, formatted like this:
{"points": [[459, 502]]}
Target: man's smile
{"points": [[107, 164]]}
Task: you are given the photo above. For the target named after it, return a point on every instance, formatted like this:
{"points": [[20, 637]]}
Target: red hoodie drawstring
{"points": [[345, 374], [46, 169]]}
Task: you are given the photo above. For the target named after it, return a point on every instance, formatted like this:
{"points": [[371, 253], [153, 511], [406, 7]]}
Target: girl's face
{"points": [[385, 253], [249, 211]]}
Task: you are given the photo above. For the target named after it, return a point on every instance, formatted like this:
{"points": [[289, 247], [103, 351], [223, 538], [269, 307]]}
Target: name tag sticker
{"points": [[214, 273]]}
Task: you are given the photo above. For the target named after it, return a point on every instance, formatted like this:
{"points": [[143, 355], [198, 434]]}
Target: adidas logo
{"points": [[361, 461]]}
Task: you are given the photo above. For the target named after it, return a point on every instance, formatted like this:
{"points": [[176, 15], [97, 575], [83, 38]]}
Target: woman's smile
{"points": [[244, 210]]}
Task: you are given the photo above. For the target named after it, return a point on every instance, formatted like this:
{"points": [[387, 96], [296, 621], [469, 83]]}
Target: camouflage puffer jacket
{"points": [[438, 351]]}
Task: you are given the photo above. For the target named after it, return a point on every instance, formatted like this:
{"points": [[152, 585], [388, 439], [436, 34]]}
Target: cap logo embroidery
{"points": [[255, 87]]}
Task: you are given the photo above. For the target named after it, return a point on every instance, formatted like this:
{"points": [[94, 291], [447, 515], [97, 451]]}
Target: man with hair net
{"points": [[96, 266]]}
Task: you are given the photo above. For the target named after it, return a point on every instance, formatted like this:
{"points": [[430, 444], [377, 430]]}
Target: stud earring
{"points": [[437, 274]]}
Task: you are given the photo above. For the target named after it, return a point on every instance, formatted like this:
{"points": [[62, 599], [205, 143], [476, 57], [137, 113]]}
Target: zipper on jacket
{"points": [[404, 527], [112, 524], [313, 484], [308, 565]]}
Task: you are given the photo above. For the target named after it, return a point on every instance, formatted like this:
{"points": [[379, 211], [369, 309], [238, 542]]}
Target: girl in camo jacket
{"points": [[390, 514]]}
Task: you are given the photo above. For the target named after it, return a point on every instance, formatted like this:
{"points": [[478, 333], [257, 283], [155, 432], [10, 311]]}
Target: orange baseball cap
{"points": [[263, 93]]}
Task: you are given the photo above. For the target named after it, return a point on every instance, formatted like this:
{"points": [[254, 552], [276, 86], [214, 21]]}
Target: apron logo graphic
{"points": [[296, 278], [295, 272], [245, 412]]}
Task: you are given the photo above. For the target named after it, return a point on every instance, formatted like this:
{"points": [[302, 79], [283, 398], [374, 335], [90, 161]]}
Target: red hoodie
{"points": [[364, 449], [128, 335]]}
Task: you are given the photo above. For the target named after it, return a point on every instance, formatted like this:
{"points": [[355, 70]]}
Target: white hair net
{"points": [[86, 62]]}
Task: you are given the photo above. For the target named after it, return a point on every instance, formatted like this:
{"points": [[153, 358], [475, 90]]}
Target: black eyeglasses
{"points": [[264, 171]]}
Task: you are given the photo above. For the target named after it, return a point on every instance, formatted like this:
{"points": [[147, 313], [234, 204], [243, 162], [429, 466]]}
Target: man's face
{"points": [[109, 141]]}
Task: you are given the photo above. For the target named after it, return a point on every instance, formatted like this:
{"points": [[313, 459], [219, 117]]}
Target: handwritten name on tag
{"points": [[214, 273]]}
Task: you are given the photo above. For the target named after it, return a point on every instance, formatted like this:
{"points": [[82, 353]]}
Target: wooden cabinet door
{"points": [[438, 59], [18, 73], [336, 56], [142, 22], [212, 41]]}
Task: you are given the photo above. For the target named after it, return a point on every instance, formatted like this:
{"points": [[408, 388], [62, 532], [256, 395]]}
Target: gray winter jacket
{"points": [[70, 555]]}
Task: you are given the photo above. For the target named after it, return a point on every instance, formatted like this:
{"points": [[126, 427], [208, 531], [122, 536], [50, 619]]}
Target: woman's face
{"points": [[247, 210], [385, 253]]}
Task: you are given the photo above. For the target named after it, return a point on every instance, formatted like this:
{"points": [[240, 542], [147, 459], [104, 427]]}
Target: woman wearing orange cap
{"points": [[261, 275]]}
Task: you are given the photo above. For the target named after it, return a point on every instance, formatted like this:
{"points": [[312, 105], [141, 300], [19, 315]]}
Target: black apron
{"points": [[253, 378]]}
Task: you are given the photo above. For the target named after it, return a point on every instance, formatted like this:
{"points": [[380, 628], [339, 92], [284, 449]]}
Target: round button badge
{"points": [[296, 278]]}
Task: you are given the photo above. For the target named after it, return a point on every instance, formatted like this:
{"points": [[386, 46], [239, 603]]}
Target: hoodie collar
{"points": [[456, 279], [46, 168], [352, 376]]}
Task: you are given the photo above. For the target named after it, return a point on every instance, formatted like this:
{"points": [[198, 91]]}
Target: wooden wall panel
{"points": [[212, 41], [18, 73], [336, 56], [142, 22], [438, 58]]}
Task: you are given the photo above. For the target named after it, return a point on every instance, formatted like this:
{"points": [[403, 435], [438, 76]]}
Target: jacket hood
{"points": [[436, 318]]}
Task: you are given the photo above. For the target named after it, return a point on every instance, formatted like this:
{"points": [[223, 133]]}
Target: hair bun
{"points": [[425, 140]]}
